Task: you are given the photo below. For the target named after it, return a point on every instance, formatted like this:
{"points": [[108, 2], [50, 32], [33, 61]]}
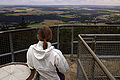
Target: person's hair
{"points": [[45, 34]]}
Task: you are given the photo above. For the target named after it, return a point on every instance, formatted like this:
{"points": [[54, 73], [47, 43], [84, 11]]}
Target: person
{"points": [[45, 59]]}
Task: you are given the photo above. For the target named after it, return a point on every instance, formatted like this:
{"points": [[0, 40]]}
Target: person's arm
{"points": [[29, 58], [61, 62], [32, 74], [30, 64]]}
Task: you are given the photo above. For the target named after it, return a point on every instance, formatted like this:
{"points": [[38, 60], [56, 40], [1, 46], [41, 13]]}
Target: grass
{"points": [[47, 23], [88, 9], [68, 16], [71, 74]]}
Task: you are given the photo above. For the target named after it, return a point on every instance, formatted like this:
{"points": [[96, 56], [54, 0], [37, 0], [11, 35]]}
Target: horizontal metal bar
{"points": [[95, 77], [5, 54], [1, 32], [23, 50], [99, 41], [75, 41], [80, 25], [109, 57], [103, 42], [88, 38], [100, 34], [55, 43], [103, 67], [66, 28], [106, 76]]}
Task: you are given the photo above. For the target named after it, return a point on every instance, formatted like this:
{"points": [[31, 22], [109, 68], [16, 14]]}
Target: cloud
{"points": [[13, 2], [60, 2], [90, 2]]}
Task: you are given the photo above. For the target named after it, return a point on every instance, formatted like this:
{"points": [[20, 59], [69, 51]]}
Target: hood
{"points": [[39, 53]]}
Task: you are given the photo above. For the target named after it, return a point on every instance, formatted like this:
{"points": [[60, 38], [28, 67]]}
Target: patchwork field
{"points": [[63, 14]]}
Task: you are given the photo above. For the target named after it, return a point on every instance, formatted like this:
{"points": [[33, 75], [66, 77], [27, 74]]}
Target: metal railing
{"points": [[96, 54], [104, 43], [107, 48], [14, 44]]}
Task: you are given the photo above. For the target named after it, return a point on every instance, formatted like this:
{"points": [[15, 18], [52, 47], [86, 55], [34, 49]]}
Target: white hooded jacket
{"points": [[44, 61]]}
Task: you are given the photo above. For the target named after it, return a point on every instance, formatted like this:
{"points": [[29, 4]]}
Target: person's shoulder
{"points": [[33, 45], [57, 50], [30, 49]]}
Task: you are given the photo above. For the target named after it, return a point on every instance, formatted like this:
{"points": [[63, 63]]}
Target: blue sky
{"points": [[59, 2]]}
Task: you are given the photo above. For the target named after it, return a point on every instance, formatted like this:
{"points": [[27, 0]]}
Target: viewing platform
{"points": [[92, 51]]}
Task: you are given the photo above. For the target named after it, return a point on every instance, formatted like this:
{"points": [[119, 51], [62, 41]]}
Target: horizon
{"points": [[57, 5], [61, 2]]}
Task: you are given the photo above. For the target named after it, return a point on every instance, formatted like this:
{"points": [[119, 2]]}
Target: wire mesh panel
{"points": [[4, 43], [65, 41], [23, 39], [5, 59], [108, 44], [105, 44], [54, 32], [14, 42], [92, 66], [107, 48], [113, 65], [5, 48]]}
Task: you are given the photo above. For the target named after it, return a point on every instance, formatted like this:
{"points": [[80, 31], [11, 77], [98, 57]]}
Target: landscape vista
{"points": [[34, 13]]}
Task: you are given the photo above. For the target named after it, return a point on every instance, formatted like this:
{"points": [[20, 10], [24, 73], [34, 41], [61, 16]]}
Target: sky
{"points": [[59, 2]]}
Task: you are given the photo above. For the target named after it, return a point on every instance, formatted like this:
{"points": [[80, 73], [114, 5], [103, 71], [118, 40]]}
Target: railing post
{"points": [[72, 36], [94, 49], [93, 44], [11, 46], [58, 37], [93, 70], [93, 64], [77, 70]]}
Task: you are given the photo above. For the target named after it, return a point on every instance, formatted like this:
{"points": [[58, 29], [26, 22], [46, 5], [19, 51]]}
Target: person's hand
{"points": [[28, 78], [31, 75]]}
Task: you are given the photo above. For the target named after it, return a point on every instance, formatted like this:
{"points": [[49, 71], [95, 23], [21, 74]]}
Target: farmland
{"points": [[62, 14]]}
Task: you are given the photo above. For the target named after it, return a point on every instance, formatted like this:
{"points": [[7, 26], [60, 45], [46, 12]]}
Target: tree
{"points": [[4, 27], [23, 23]]}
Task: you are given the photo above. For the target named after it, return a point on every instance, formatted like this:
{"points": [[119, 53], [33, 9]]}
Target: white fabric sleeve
{"points": [[29, 59], [61, 62]]}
